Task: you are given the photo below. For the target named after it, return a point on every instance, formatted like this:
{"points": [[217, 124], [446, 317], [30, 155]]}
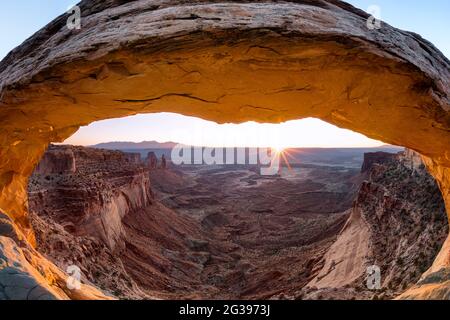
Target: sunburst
{"points": [[283, 154]]}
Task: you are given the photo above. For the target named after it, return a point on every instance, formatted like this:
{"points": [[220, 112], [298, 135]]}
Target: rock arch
{"points": [[267, 61]]}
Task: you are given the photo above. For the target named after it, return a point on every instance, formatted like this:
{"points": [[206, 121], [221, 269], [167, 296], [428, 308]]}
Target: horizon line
{"points": [[226, 147]]}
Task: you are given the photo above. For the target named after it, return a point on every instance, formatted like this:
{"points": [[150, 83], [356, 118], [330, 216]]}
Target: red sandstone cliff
{"points": [[396, 223], [57, 161], [92, 198], [104, 218], [372, 158]]}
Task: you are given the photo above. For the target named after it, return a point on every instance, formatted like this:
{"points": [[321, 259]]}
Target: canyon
{"points": [[140, 231], [266, 61]]}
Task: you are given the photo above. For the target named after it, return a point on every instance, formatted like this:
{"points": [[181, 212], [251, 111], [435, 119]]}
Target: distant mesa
{"points": [[380, 157]]}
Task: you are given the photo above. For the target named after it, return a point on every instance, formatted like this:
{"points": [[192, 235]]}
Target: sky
{"points": [[19, 19]]}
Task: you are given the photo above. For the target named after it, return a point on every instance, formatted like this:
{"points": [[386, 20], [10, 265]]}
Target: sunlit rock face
{"points": [[266, 61], [106, 186], [26, 275]]}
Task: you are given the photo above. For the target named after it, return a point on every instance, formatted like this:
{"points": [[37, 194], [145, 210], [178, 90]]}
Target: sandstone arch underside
{"points": [[268, 61]]}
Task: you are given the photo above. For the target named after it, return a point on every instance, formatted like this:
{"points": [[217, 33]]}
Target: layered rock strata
{"points": [[397, 224]]}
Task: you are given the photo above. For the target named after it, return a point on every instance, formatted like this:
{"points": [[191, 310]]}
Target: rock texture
{"points": [[204, 232], [132, 157], [397, 223], [224, 61], [92, 200], [59, 161], [99, 265], [26, 275], [376, 157], [152, 160], [18, 280], [207, 230]]}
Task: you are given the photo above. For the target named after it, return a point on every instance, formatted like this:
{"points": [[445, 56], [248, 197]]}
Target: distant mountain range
{"points": [[349, 157], [126, 145]]}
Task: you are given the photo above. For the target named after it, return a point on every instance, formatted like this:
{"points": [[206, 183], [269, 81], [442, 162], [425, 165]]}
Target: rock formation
{"points": [[103, 219], [397, 223], [189, 242], [58, 161], [163, 162], [20, 279], [152, 160], [371, 158], [413, 160], [78, 216], [134, 158], [266, 61], [168, 247], [94, 198]]}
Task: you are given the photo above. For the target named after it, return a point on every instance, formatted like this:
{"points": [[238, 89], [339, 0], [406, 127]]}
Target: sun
{"points": [[278, 149], [282, 154]]}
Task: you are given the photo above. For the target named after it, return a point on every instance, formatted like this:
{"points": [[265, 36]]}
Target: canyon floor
{"points": [[266, 233], [226, 232]]}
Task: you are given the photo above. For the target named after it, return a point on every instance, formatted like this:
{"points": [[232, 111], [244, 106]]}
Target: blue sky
{"points": [[19, 19]]}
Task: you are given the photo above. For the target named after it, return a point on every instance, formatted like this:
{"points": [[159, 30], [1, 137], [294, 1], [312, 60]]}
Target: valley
{"points": [[142, 231]]}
